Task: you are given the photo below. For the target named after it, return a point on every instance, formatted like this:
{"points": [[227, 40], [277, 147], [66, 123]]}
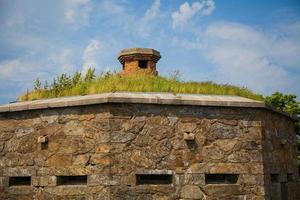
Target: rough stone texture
{"points": [[111, 143], [191, 192], [132, 67]]}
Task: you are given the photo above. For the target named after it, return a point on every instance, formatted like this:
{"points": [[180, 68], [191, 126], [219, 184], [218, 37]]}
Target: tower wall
{"points": [[132, 67]]}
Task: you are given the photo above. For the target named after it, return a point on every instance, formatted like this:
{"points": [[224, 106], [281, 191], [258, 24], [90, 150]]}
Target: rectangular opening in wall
{"points": [[19, 180], [44, 145], [72, 180], [156, 179], [143, 64], [274, 178], [221, 178], [290, 177]]}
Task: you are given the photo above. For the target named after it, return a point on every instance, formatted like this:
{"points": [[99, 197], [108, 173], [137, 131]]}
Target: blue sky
{"points": [[254, 44]]}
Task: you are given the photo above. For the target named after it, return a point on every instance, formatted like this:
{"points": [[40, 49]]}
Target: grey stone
{"points": [[191, 192], [24, 131], [103, 180], [121, 136], [49, 116]]}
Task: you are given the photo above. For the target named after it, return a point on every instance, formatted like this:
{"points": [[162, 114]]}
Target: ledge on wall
{"points": [[138, 97]]}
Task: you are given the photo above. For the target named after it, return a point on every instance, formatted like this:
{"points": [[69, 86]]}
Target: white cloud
{"points": [[77, 12], [126, 19], [17, 19], [20, 72], [92, 55], [187, 11], [17, 69], [286, 45], [26, 69], [147, 22], [16, 76], [262, 60], [153, 11], [63, 60], [248, 57]]}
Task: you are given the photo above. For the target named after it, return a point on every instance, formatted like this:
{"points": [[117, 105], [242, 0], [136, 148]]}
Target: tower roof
{"points": [[138, 54]]}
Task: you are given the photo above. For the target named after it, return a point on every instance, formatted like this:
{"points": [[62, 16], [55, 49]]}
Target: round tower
{"points": [[139, 60]]}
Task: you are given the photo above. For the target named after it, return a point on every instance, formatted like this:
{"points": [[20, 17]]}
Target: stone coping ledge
{"points": [[131, 51], [137, 97], [154, 172]]}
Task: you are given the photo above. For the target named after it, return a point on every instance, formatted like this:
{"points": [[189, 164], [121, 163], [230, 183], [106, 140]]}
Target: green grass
{"points": [[138, 83]]}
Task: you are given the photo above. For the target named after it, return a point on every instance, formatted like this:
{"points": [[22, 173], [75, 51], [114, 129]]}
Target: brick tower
{"points": [[139, 60]]}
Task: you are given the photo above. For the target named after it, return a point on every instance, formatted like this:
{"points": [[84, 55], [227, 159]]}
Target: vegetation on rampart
{"points": [[79, 84]]}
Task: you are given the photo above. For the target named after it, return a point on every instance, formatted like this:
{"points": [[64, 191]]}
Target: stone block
{"points": [[38, 104], [128, 180], [42, 139], [121, 136], [67, 170], [4, 181], [43, 181], [221, 190], [248, 179], [81, 160], [67, 190], [189, 136], [20, 190], [74, 128], [100, 159], [49, 116], [4, 108], [194, 179], [102, 148], [191, 192], [186, 127], [104, 180], [19, 106], [59, 161], [19, 171], [154, 171], [214, 168], [23, 131]]}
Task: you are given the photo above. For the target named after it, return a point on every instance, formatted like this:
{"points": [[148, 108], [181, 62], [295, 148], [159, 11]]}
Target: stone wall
{"points": [[112, 143], [279, 158]]}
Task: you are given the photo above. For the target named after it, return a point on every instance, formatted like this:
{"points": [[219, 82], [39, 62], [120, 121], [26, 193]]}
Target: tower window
{"points": [[72, 180], [158, 179], [19, 180], [290, 177], [143, 64], [274, 178], [221, 178]]}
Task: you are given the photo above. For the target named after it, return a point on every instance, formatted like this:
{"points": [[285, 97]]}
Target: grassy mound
{"points": [[65, 85]]}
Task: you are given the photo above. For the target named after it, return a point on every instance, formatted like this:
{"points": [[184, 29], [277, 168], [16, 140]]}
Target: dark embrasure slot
{"points": [[19, 180], [155, 179], [274, 178], [72, 180], [143, 64], [290, 177], [221, 178]]}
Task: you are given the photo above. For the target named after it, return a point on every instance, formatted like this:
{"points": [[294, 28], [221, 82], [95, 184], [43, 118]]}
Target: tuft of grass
{"points": [[112, 82]]}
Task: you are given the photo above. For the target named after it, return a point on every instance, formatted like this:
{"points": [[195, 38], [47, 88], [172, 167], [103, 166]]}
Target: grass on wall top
{"points": [[76, 84]]}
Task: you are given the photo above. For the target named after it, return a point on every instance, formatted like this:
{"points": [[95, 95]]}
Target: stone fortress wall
{"points": [[146, 146]]}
